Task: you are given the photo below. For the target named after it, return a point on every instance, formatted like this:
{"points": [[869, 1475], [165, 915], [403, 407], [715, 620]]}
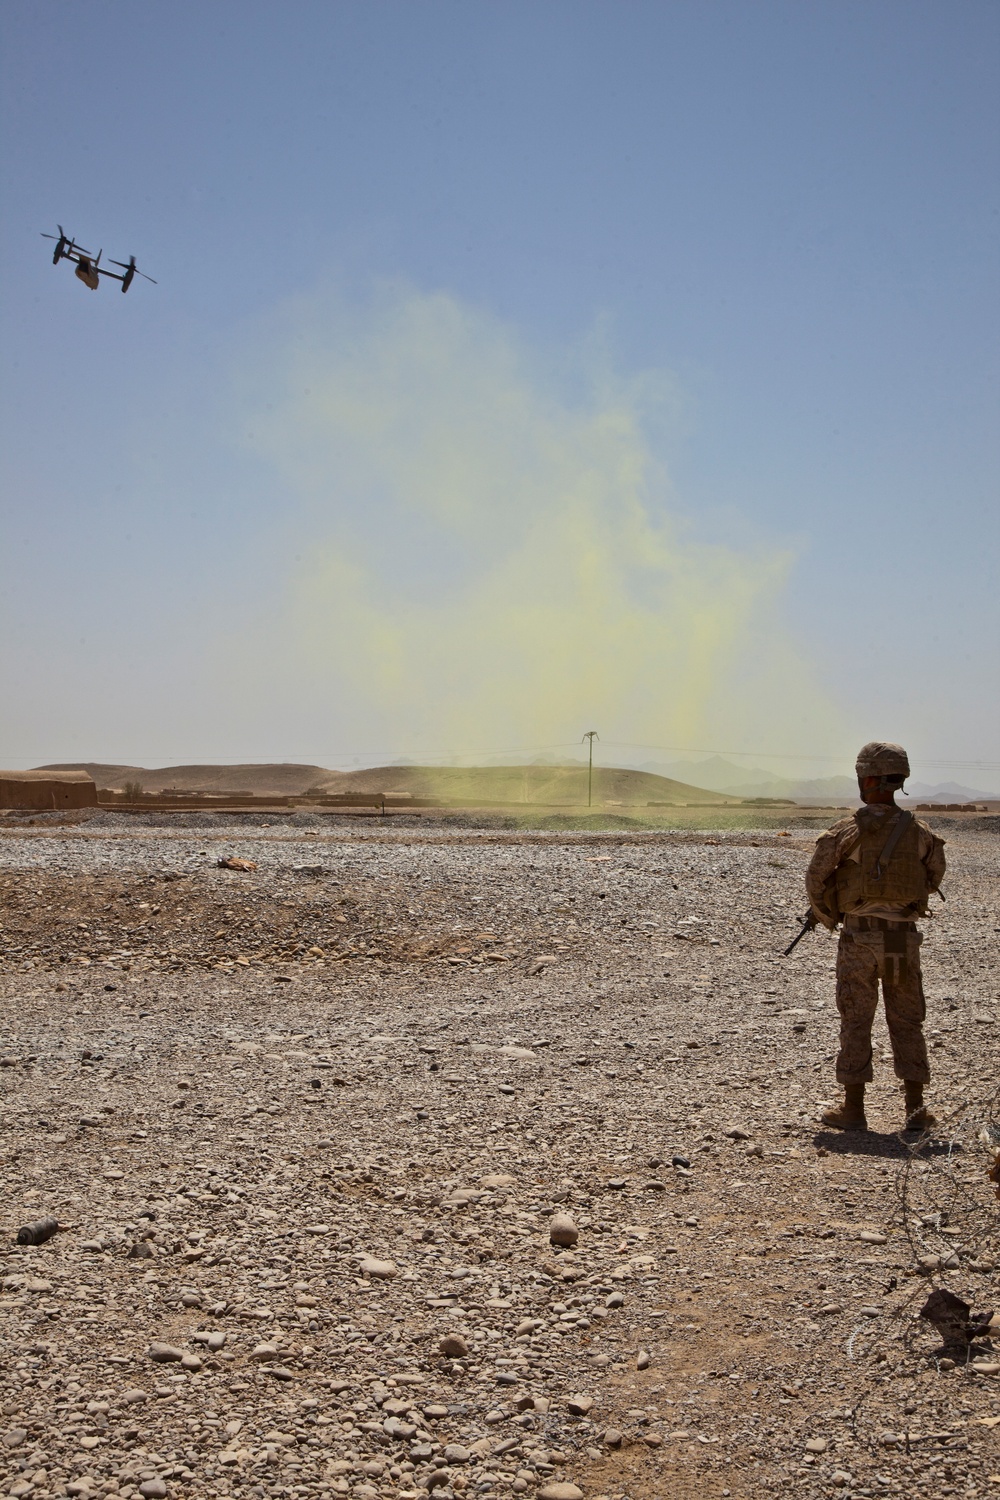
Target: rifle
{"points": [[809, 922]]}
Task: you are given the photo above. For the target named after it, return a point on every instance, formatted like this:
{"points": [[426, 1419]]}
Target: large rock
{"points": [[453, 1346], [165, 1354], [382, 1270], [562, 1231]]}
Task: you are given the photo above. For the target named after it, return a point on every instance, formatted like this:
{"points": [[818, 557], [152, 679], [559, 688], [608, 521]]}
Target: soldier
{"points": [[874, 872]]}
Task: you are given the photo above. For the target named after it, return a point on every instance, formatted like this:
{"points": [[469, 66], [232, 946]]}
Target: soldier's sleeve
{"points": [[826, 857], [932, 856]]}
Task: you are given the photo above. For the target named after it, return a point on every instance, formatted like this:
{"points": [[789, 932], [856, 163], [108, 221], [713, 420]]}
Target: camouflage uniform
{"points": [[879, 940]]}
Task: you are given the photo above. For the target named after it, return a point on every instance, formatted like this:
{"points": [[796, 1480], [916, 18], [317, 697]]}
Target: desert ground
{"points": [[476, 1160]]}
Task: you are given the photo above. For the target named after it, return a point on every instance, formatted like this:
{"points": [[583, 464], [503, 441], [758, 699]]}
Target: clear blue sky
{"points": [[791, 210]]}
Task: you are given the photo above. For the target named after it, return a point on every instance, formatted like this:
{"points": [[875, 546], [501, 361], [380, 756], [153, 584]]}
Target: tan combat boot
{"points": [[851, 1114], [918, 1116]]}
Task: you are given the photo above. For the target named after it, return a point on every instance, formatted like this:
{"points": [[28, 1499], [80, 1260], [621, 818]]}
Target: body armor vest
{"points": [[900, 880]]}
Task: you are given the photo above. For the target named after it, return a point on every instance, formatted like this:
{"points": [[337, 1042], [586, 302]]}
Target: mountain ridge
{"points": [[530, 784]]}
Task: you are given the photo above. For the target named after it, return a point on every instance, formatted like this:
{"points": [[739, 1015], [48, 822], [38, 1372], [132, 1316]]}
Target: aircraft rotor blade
{"points": [[131, 265]]}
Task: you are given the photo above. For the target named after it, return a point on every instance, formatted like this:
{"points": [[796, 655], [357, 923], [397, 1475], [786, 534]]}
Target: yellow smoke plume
{"points": [[494, 560]]}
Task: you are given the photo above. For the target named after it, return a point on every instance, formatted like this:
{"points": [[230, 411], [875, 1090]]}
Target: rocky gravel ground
{"points": [[433, 1158]]}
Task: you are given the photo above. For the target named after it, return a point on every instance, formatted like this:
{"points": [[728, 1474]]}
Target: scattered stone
{"points": [[453, 1346], [272, 1193], [560, 1491], [643, 1360], [153, 1489], [213, 1341], [817, 1445]]}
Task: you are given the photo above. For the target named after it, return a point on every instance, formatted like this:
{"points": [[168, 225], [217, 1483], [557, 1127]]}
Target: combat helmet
{"points": [[880, 758]]}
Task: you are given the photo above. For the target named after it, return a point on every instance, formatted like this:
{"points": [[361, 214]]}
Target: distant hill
{"points": [[533, 785], [715, 773], [829, 789], [949, 791], [722, 775], [282, 780]]}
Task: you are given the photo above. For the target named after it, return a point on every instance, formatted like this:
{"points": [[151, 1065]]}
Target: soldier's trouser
{"points": [[870, 950]]}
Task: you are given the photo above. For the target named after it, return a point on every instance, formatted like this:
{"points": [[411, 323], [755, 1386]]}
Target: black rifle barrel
{"points": [[808, 924]]}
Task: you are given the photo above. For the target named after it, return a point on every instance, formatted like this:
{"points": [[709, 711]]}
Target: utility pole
{"points": [[590, 736]]}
